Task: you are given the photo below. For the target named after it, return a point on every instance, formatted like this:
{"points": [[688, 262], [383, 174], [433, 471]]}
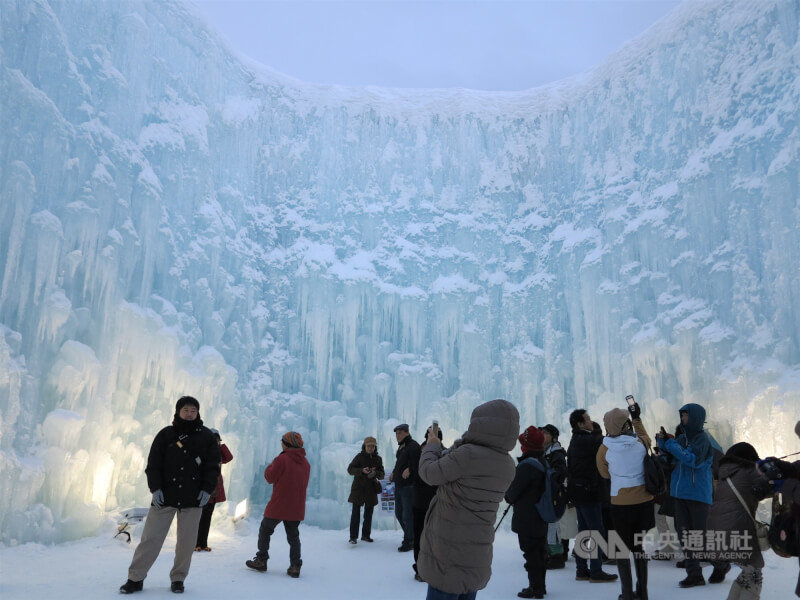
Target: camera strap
{"points": [[179, 444], [744, 505], [788, 455]]}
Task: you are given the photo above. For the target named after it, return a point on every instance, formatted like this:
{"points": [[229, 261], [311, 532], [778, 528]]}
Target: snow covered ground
{"points": [[94, 568]]}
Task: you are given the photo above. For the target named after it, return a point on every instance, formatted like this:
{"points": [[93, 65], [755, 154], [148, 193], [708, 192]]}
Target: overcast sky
{"points": [[501, 45]]}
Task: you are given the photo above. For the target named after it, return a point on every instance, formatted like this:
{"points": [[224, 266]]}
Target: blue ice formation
{"points": [[175, 219]]}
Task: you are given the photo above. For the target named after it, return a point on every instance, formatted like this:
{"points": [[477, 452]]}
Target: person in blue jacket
{"points": [[690, 486]]}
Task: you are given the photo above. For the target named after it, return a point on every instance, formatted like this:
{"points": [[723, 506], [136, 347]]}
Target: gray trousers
{"points": [[156, 527], [747, 586]]}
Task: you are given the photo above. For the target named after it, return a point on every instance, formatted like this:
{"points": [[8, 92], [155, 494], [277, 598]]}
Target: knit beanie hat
{"points": [[552, 430], [183, 401], [531, 440], [370, 441], [292, 439], [614, 421], [743, 450]]}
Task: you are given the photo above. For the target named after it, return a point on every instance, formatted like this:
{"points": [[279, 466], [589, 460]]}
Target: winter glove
{"points": [[770, 468], [635, 410], [158, 499], [777, 485], [203, 497]]}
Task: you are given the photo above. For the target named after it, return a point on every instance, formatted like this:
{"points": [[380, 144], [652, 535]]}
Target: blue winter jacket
{"points": [[691, 451]]}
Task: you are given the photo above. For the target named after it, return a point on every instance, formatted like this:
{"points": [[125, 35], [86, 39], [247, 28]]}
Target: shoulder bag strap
{"points": [[739, 496]]}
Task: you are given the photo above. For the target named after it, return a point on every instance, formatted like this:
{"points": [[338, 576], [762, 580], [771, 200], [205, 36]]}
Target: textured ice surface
{"points": [[175, 219]]}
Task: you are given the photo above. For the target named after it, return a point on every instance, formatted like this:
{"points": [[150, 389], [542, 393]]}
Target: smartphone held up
{"points": [[633, 408]]}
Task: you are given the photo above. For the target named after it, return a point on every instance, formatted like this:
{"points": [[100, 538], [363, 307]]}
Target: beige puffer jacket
{"points": [[456, 548]]}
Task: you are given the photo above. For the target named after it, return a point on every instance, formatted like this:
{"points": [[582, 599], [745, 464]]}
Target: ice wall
{"points": [[177, 220]]}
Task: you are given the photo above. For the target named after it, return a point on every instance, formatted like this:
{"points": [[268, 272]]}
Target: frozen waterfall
{"points": [[175, 219]]}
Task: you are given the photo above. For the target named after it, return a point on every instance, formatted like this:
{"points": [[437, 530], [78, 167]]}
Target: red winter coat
{"points": [[219, 492], [288, 474]]}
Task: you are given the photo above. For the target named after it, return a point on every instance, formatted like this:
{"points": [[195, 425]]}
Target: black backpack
{"points": [[655, 477], [552, 504], [784, 529]]}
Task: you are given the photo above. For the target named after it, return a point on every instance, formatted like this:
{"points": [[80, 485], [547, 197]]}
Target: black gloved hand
{"points": [[762, 489], [661, 437], [635, 410]]}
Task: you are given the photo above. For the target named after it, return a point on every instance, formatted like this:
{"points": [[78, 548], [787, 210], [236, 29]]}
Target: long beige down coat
{"points": [[456, 549]]}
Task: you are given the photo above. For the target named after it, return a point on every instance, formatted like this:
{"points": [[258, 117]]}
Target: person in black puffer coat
{"points": [[367, 471], [523, 494], [420, 500], [405, 466], [182, 472], [586, 491]]}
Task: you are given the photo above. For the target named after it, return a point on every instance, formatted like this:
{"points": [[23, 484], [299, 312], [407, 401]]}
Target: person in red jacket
{"points": [[288, 474], [217, 496]]}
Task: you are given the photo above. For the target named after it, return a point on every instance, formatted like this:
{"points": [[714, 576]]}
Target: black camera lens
{"points": [[771, 470], [762, 489]]}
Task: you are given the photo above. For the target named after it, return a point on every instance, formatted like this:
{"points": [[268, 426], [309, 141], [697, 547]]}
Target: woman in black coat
{"points": [[729, 516], [367, 471], [421, 499], [523, 494]]}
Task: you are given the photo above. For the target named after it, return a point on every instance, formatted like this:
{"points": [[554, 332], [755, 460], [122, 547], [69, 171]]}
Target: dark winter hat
{"points": [[797, 429], [370, 441], [292, 439], [743, 450], [531, 440], [184, 400], [552, 430], [615, 420], [401, 427]]}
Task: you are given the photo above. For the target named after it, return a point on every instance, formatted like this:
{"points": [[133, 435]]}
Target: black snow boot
{"points": [[130, 586], [257, 564], [625, 579], [719, 572], [640, 564]]}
